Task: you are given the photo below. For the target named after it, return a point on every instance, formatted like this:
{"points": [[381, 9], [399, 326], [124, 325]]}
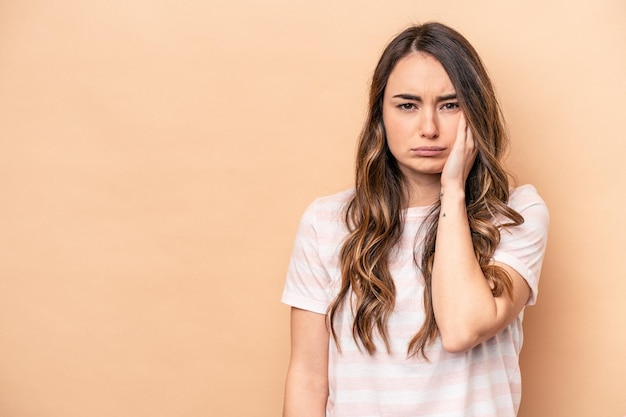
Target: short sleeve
{"points": [[523, 247], [307, 283]]}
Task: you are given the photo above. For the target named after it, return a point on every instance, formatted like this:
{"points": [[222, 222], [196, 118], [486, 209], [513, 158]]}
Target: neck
{"points": [[423, 191]]}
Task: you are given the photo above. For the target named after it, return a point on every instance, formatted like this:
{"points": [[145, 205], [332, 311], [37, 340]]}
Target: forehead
{"points": [[419, 74]]}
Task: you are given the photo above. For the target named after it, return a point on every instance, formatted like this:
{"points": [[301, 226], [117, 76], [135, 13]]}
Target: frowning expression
{"points": [[420, 113]]}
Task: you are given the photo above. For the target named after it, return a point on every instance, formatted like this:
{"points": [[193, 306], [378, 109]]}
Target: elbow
{"points": [[458, 342], [460, 336]]}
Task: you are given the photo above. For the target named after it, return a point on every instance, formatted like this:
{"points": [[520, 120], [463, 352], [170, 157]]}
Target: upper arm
{"points": [[306, 390], [309, 342], [520, 253], [522, 248], [508, 309]]}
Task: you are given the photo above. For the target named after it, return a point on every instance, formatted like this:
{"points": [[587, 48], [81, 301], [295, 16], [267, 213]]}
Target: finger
{"points": [[469, 137], [462, 127], [471, 145]]}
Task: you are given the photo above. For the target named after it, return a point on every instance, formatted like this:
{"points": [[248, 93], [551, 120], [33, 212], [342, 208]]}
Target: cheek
{"points": [[388, 127], [391, 135], [450, 128], [395, 127]]}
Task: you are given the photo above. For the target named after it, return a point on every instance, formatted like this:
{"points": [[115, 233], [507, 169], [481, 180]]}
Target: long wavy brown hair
{"points": [[374, 215]]}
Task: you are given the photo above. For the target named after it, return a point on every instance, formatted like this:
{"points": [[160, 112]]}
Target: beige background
{"points": [[156, 156]]}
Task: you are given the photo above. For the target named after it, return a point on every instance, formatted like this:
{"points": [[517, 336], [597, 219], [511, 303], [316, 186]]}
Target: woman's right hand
{"points": [[461, 157]]}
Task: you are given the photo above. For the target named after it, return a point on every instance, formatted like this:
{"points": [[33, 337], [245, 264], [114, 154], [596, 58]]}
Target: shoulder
{"points": [[334, 201], [524, 196], [526, 200], [528, 203], [329, 207], [325, 216]]}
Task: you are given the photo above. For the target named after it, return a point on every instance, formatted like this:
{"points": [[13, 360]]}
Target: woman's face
{"points": [[420, 114]]}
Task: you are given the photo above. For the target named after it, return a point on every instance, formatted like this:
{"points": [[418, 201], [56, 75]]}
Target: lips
{"points": [[428, 150]]}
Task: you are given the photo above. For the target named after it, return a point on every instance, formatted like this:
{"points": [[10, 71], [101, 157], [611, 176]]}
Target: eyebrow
{"points": [[418, 98]]}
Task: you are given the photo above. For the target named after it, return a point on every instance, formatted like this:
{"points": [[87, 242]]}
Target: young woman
{"points": [[408, 290]]}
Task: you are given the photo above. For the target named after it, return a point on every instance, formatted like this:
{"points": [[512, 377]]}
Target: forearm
{"points": [[465, 309], [305, 395]]}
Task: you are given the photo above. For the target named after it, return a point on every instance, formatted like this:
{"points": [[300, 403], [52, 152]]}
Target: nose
{"points": [[428, 126]]}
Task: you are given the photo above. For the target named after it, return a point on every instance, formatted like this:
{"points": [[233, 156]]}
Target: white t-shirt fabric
{"points": [[483, 382]]}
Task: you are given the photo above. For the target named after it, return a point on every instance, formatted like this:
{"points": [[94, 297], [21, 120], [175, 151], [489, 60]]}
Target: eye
{"points": [[450, 106], [407, 106]]}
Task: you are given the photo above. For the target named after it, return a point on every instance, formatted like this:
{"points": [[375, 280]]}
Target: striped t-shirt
{"points": [[482, 382]]}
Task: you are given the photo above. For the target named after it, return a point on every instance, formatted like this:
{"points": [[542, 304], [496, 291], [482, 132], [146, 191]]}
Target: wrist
{"points": [[452, 193]]}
